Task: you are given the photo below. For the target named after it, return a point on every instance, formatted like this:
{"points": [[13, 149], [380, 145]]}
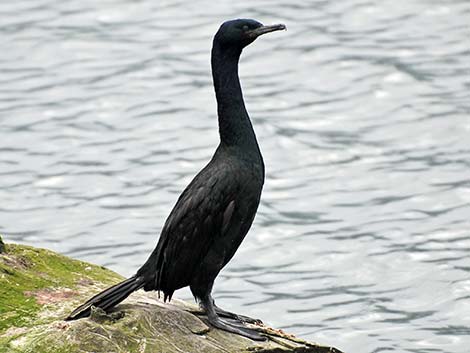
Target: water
{"points": [[361, 110]]}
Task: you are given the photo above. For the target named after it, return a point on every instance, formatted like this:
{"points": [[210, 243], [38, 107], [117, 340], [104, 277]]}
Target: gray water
{"points": [[362, 113]]}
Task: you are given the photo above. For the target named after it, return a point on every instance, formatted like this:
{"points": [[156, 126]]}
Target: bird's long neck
{"points": [[234, 123]]}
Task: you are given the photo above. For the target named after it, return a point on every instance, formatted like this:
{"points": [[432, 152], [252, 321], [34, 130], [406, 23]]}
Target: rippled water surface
{"points": [[361, 109]]}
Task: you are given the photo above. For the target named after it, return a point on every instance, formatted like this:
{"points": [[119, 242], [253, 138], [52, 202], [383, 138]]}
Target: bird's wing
{"points": [[202, 213]]}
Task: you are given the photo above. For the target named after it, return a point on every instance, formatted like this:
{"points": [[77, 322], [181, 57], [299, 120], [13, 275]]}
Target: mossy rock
{"points": [[38, 288]]}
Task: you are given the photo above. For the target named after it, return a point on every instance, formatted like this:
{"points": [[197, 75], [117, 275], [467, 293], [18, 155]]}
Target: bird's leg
{"points": [[207, 303], [233, 316]]}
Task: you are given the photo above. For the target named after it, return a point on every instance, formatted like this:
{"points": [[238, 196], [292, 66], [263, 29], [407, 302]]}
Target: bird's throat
{"points": [[234, 123]]}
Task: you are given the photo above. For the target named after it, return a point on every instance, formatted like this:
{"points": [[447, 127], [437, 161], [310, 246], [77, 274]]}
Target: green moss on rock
{"points": [[32, 280], [38, 288]]}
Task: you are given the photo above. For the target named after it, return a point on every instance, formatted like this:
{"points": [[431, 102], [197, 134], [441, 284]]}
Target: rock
{"points": [[38, 288]]}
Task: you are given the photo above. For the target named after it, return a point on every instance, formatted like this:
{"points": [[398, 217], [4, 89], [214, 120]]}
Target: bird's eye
{"points": [[245, 28]]}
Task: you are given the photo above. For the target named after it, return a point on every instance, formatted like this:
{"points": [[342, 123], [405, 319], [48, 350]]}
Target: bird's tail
{"points": [[108, 298]]}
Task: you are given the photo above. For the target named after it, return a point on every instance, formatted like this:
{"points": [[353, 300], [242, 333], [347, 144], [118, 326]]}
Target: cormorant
{"points": [[216, 210]]}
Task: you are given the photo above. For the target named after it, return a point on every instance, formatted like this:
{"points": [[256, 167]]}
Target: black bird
{"points": [[216, 210]]}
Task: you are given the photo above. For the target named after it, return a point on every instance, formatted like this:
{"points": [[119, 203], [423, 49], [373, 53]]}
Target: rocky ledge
{"points": [[38, 288]]}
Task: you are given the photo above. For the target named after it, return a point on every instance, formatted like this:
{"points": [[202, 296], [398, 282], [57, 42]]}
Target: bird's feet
{"points": [[236, 324], [236, 317], [217, 322]]}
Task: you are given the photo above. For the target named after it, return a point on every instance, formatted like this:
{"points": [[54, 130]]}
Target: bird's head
{"points": [[242, 32]]}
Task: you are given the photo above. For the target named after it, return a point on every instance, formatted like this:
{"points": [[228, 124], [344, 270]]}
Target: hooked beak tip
{"points": [[267, 29]]}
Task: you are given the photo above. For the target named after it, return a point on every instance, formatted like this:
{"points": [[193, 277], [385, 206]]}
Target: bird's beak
{"points": [[266, 29]]}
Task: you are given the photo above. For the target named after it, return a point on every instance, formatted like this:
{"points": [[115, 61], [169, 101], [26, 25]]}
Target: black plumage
{"points": [[216, 210]]}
